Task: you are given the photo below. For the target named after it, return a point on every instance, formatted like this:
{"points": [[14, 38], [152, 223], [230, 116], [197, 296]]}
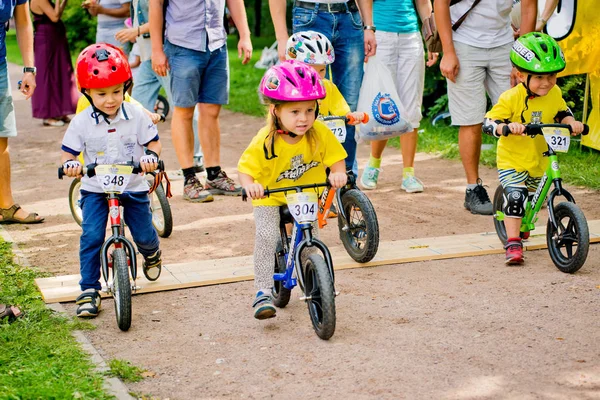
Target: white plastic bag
{"points": [[378, 98], [268, 57]]}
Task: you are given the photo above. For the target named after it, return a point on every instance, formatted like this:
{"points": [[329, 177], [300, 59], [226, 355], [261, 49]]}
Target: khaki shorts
{"points": [[481, 70]]}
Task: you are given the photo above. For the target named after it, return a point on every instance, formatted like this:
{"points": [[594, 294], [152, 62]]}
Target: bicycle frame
{"points": [[117, 239]]}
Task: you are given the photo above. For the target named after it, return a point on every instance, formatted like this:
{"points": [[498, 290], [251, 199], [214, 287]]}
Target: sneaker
{"points": [[514, 252], [477, 200], [152, 266], [198, 165], [263, 306], [222, 184], [194, 191], [368, 180], [412, 184], [89, 303]]}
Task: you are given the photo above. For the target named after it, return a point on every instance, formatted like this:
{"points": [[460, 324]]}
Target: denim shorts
{"points": [[8, 124], [198, 76]]}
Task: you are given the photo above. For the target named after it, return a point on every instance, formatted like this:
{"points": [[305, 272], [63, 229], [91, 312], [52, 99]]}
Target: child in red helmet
{"points": [[110, 131]]}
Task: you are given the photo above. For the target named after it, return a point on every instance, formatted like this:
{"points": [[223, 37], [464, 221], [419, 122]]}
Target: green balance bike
{"points": [[567, 233]]}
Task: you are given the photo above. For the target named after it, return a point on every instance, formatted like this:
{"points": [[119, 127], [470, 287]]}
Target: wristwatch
{"points": [[370, 28], [33, 70]]}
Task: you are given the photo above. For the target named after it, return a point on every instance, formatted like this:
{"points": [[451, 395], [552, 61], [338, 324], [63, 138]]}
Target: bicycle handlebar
{"points": [[90, 169], [350, 120], [536, 129]]}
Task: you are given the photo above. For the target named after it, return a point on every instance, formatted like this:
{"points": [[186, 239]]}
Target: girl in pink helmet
{"points": [[292, 149]]}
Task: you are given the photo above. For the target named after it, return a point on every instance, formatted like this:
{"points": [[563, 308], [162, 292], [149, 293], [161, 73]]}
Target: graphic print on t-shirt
{"points": [[297, 169]]}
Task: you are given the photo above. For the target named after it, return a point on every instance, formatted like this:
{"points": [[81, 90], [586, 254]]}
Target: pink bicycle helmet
{"points": [[291, 81]]}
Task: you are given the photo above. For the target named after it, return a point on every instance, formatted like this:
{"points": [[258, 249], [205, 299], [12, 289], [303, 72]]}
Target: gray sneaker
{"points": [[222, 184], [477, 200], [194, 191]]}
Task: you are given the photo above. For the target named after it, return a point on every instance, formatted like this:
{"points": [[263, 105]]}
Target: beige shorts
{"points": [[481, 70], [403, 54]]}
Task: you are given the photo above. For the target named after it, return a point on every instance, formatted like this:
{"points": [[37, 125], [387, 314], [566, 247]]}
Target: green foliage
{"points": [[13, 54], [573, 89], [124, 370], [40, 358], [81, 27]]}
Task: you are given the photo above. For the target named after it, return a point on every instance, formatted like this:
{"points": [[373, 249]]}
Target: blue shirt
{"points": [[196, 24], [7, 8], [397, 16]]}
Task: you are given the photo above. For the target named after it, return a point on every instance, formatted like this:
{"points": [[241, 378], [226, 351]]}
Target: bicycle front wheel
{"points": [[320, 297], [121, 289], [361, 239], [569, 244], [74, 198]]}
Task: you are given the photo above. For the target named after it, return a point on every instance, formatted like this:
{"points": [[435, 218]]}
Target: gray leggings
{"points": [[266, 219]]}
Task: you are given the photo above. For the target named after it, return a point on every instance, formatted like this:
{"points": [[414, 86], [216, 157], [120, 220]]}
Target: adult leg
{"points": [[209, 132], [181, 133], [469, 145]]}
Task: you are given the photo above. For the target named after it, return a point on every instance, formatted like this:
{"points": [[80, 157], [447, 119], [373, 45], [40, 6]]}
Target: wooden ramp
{"points": [[235, 269]]}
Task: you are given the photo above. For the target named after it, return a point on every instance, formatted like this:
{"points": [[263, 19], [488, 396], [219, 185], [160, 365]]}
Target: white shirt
{"points": [[118, 142], [144, 44], [108, 21], [486, 26]]}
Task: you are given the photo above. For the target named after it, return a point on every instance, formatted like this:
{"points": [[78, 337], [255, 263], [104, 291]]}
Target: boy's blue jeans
{"points": [[345, 31], [138, 218]]}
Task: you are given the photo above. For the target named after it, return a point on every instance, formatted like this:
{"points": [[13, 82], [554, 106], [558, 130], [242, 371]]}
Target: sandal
{"points": [[53, 122], [8, 216], [66, 119], [10, 312]]}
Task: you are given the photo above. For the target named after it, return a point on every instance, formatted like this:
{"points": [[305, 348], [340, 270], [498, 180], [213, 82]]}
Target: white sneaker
{"points": [[412, 184]]}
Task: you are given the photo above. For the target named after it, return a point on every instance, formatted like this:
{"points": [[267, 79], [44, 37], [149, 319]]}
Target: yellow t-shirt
{"points": [[84, 103], [295, 164], [334, 103], [524, 153]]}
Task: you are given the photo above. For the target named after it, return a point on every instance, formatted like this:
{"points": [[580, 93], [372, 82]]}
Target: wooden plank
{"points": [[236, 269]]}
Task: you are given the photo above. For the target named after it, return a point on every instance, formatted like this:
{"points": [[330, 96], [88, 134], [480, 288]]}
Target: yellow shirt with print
{"points": [[524, 153], [333, 103], [84, 103], [295, 164]]}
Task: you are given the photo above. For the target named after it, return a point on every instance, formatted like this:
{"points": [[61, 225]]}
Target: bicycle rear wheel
{"points": [[74, 198], [320, 297], [569, 244], [162, 106], [361, 240], [121, 289], [162, 218]]}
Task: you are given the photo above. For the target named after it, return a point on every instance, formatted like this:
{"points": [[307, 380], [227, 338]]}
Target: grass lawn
{"points": [[40, 359]]}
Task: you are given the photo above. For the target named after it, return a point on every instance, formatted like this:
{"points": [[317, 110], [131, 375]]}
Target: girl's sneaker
{"points": [[514, 252], [412, 184], [89, 303], [368, 180], [263, 306]]}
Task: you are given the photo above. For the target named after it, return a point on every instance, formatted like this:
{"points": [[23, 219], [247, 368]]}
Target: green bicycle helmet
{"points": [[537, 53]]}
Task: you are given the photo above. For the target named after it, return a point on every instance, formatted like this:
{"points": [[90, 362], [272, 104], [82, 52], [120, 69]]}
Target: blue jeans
{"points": [[345, 31], [138, 218], [8, 123]]}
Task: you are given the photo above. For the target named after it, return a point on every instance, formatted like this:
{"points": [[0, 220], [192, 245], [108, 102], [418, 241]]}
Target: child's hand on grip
{"points": [[255, 191], [338, 179], [517, 128], [72, 168], [576, 127]]}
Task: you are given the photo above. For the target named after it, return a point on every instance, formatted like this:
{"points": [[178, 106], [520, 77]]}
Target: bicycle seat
{"points": [[285, 215]]}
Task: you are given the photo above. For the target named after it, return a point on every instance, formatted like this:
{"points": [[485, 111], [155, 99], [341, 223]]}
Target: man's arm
{"points": [[366, 13], [25, 40], [121, 12], [449, 65], [160, 65], [238, 14], [528, 16], [278, 10]]}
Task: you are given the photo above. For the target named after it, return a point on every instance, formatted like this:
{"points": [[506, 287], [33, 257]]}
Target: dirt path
{"points": [[461, 329]]}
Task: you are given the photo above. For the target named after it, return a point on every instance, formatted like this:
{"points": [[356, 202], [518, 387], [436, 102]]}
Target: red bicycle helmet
{"points": [[102, 65]]}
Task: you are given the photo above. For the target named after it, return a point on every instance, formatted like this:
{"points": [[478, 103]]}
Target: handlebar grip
{"points": [[162, 118], [244, 195], [505, 130], [586, 129], [161, 165], [61, 172], [365, 119], [350, 119]]}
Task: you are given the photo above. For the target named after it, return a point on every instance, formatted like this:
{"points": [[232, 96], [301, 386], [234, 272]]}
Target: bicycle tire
{"points": [[575, 232], [121, 289], [361, 241], [74, 197], [281, 295], [162, 106], [499, 206], [162, 217], [318, 288]]}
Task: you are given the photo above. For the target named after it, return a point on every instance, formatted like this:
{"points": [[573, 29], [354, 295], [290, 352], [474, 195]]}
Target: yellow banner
{"points": [[576, 25]]}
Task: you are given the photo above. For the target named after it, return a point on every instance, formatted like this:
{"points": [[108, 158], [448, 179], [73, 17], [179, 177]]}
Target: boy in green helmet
{"points": [[537, 100]]}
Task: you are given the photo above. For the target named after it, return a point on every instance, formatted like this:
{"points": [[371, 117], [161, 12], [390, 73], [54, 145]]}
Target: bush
{"points": [[81, 27]]}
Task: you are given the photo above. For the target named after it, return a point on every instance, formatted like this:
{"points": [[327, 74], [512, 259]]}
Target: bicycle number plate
{"points": [[303, 206], [113, 178], [558, 139], [338, 127]]}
